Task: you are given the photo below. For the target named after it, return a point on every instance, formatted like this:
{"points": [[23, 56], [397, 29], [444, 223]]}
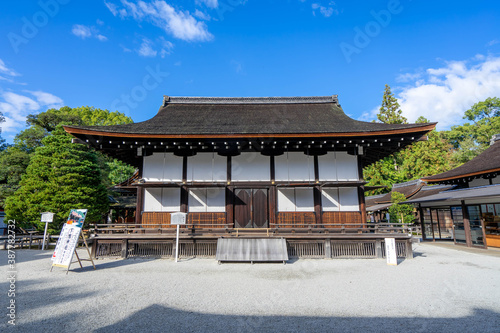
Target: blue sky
{"points": [[440, 57]]}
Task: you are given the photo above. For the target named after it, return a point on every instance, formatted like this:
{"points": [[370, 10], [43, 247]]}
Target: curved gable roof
{"points": [[486, 162], [246, 116]]}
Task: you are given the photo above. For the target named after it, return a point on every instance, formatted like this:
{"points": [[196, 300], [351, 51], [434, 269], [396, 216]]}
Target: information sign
{"points": [[390, 251]]}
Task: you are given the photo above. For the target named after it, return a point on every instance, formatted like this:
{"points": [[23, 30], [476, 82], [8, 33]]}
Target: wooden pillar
{"points": [[184, 188], [361, 191], [229, 206], [272, 195], [465, 216], [184, 199], [317, 193], [229, 194], [432, 225], [422, 222], [139, 205], [362, 205]]}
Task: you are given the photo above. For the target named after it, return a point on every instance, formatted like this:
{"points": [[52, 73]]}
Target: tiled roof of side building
{"points": [[486, 162], [259, 115], [407, 188]]}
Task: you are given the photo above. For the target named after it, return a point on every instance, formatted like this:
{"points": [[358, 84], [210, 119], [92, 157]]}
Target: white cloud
{"points": [[370, 115], [179, 24], [407, 77], [102, 38], [166, 47], [48, 100], [209, 3], [81, 31], [444, 94], [146, 49], [201, 15], [326, 11], [84, 32], [151, 48], [15, 107], [5, 70], [125, 49], [493, 42]]}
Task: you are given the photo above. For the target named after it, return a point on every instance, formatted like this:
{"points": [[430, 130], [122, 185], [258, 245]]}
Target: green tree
{"points": [[400, 213], [14, 162], [471, 139], [420, 159], [60, 176], [426, 158], [3, 145], [390, 112], [386, 172], [15, 159]]}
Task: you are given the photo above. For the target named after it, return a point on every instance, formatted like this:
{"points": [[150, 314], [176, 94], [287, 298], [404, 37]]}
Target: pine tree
{"points": [[60, 176], [390, 112]]}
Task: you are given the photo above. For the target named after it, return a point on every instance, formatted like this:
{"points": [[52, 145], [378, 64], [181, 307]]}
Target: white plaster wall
{"points": [[171, 199], [164, 167], [251, 167], [304, 199], [338, 166], [286, 200], [347, 166], [327, 167], [216, 199], [330, 199], [207, 167], [162, 199], [348, 199], [203, 200], [294, 166], [295, 200], [197, 200]]}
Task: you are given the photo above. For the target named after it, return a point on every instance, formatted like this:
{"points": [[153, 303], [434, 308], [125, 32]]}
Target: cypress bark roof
{"points": [[488, 162], [211, 116]]}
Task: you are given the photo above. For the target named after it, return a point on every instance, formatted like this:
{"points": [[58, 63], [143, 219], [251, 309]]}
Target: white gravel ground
{"points": [[445, 290]]}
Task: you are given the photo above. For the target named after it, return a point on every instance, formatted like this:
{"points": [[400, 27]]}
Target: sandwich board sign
{"points": [[68, 239], [390, 251]]}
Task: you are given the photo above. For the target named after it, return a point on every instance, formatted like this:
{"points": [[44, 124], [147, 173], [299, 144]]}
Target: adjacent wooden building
{"points": [[275, 164], [473, 204]]}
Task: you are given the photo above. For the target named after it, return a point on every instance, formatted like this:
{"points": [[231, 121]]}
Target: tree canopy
{"points": [[390, 112], [60, 176], [420, 159], [471, 139], [400, 213], [16, 158], [2, 140]]}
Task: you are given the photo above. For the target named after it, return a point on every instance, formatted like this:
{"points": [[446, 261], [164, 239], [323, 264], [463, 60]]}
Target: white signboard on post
{"points": [[177, 219], [47, 217], [390, 251], [68, 239]]}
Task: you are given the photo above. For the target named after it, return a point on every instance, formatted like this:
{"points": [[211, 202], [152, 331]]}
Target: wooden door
{"points": [[251, 208], [260, 215]]}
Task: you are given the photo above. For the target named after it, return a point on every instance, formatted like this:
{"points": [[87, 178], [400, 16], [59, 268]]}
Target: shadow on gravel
{"points": [[158, 318], [103, 264]]}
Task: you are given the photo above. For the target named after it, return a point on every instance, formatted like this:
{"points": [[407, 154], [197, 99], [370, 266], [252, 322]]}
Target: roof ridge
{"points": [[408, 183], [251, 100]]}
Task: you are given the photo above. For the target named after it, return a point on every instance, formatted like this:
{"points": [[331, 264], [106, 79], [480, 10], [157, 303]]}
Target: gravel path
{"points": [[442, 289]]}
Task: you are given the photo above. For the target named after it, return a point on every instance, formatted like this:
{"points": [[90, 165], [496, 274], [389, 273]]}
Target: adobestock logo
{"points": [[372, 29], [30, 27]]}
